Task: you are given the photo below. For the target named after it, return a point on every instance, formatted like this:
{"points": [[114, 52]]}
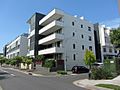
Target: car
{"points": [[97, 64], [80, 69]]}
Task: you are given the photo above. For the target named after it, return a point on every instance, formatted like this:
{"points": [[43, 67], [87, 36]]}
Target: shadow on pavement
{"points": [[3, 77]]}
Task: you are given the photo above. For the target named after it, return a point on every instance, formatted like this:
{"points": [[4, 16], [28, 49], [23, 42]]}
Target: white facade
{"points": [[66, 37], [107, 49], [17, 47]]}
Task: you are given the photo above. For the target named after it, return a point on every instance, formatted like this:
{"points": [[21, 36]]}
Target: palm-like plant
{"points": [[89, 58]]}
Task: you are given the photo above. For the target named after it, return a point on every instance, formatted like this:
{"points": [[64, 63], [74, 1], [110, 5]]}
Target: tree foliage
{"points": [[40, 57], [2, 60], [115, 37], [89, 58]]}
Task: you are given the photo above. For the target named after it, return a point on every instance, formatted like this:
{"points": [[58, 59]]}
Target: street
{"points": [[13, 80]]}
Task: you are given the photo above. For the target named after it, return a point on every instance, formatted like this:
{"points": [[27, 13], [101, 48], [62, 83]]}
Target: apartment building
{"points": [[34, 34], [17, 47], [104, 48], [65, 38]]}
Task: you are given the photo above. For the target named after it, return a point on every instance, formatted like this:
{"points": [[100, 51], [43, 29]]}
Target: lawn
{"points": [[110, 86]]}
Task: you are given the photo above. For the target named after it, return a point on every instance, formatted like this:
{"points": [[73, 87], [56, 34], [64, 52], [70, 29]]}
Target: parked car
{"points": [[80, 69], [97, 64]]}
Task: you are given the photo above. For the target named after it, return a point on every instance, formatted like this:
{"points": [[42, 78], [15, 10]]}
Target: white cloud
{"points": [[112, 23]]}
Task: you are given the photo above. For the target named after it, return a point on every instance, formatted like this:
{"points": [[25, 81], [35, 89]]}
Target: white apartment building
{"points": [[17, 47], [107, 51], [65, 38]]}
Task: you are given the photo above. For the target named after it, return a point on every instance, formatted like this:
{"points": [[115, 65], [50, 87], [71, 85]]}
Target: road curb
{"points": [[89, 87]]}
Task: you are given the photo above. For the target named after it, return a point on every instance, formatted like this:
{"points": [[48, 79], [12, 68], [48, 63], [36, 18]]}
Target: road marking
{"points": [[13, 75], [3, 70]]}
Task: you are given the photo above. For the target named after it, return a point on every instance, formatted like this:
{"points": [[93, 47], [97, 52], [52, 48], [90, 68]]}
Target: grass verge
{"points": [[110, 86]]}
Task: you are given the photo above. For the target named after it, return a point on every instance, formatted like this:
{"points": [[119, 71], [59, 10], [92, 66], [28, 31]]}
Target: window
{"points": [[16, 43], [82, 36], [110, 50], [74, 57], [17, 53], [90, 39], [104, 49], [58, 44], [105, 57], [90, 48], [59, 31], [73, 34], [115, 51], [81, 26], [89, 28], [73, 46], [73, 23], [82, 47]]}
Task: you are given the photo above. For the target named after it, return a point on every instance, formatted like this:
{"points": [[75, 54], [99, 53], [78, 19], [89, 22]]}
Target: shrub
{"points": [[13, 62], [7, 61], [49, 63], [117, 63], [101, 73], [62, 72]]}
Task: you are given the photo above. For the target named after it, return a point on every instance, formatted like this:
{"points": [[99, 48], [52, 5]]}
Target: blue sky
{"points": [[15, 13]]}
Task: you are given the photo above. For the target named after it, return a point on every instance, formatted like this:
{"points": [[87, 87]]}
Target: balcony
{"points": [[53, 15], [31, 33], [30, 53], [52, 27], [51, 39], [51, 50]]}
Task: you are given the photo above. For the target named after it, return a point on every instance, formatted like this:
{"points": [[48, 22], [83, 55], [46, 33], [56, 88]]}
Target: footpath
{"points": [[37, 72], [90, 84]]}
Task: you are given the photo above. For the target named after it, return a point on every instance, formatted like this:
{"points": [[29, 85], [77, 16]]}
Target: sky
{"points": [[15, 13]]}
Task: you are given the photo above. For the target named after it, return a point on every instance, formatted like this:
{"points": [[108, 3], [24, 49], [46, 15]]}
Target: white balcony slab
{"points": [[51, 39], [31, 33], [51, 50], [53, 15], [52, 27]]}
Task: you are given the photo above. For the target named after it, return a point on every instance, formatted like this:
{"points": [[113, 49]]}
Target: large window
{"points": [[73, 23], [81, 26], [90, 38], [110, 50], [74, 57], [82, 47], [115, 51], [104, 49], [82, 36], [90, 48], [73, 46], [73, 34], [32, 23], [32, 42], [89, 28]]}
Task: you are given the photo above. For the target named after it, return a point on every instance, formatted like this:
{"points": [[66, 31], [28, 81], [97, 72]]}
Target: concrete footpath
{"points": [[1, 88], [90, 84]]}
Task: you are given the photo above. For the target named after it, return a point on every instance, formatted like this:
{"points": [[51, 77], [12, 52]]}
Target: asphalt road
{"points": [[13, 80]]}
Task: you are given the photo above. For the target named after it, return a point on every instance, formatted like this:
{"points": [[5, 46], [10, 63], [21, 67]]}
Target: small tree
{"points": [[40, 58], [13, 62], [28, 62], [115, 37], [7, 61], [89, 58], [2, 60], [18, 60]]}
